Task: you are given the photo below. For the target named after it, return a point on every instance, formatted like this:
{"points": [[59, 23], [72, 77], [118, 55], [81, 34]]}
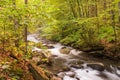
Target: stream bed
{"points": [[72, 64]]}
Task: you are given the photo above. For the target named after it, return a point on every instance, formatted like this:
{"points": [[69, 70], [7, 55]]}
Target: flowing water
{"points": [[78, 63]]}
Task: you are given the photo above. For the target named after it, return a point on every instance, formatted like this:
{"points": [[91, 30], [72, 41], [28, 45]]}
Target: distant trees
{"points": [[79, 23], [84, 22]]}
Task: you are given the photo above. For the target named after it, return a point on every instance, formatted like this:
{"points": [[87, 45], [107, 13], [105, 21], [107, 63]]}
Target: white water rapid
{"points": [[79, 73]]}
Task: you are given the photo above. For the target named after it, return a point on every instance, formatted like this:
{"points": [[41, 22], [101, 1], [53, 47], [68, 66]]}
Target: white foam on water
{"points": [[68, 78], [118, 72], [75, 52], [82, 74], [58, 45], [32, 38], [37, 49], [111, 76], [55, 51], [87, 74]]}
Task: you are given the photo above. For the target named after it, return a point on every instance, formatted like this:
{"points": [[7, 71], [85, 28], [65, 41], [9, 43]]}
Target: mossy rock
{"points": [[65, 50], [30, 43], [39, 45]]}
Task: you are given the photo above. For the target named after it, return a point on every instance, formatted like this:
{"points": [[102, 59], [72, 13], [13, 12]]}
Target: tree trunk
{"points": [[37, 72], [4, 39], [113, 25], [25, 30], [119, 12]]}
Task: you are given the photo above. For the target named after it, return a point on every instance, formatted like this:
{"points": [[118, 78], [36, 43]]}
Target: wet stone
{"points": [[71, 74], [56, 78], [77, 66], [65, 50], [61, 74], [97, 66], [65, 68], [118, 67], [49, 46]]}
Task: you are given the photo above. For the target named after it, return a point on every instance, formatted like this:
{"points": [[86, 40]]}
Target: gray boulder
{"points": [[96, 66]]}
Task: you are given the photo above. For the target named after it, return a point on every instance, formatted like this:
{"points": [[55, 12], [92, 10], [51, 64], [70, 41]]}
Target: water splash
{"points": [[32, 38]]}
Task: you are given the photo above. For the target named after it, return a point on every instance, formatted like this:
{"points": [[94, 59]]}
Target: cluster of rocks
{"points": [[41, 57], [64, 72]]}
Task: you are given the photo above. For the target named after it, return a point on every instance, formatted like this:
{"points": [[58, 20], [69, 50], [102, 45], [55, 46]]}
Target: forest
{"points": [[59, 39]]}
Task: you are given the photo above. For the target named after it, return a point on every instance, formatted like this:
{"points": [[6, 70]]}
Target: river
{"points": [[81, 66]]}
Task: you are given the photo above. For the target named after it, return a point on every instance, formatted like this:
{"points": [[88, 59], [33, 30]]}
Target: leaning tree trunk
{"points": [[37, 72]]}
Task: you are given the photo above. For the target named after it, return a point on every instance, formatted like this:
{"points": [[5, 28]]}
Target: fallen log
{"points": [[37, 72]]}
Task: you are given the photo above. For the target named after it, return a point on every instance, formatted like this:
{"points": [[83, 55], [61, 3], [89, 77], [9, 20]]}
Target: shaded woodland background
{"points": [[88, 25]]}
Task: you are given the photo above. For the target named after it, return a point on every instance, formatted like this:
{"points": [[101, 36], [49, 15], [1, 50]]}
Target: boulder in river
{"points": [[49, 46], [43, 57], [61, 74], [118, 67], [42, 54], [76, 64], [96, 66], [65, 68], [65, 50], [70, 73]]}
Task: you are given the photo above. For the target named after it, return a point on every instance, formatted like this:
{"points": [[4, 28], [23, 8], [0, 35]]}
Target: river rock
{"points": [[71, 74], [96, 66], [76, 62], [65, 68], [49, 46], [118, 67], [43, 54], [59, 61], [47, 54], [39, 45], [54, 55], [43, 57], [65, 50], [77, 66], [56, 78], [61, 74]]}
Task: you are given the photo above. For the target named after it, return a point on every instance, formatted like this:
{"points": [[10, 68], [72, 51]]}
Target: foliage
{"points": [[82, 23]]}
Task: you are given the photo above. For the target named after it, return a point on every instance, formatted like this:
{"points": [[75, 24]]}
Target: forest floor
{"points": [[13, 69]]}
